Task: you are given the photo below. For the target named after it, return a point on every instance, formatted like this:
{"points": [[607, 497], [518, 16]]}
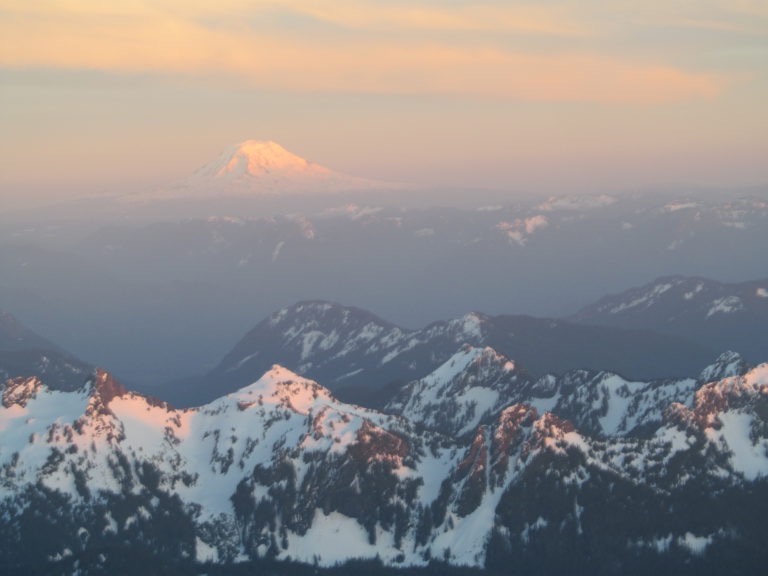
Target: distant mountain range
{"points": [[499, 441], [364, 359], [178, 285], [477, 464], [714, 314], [677, 321]]}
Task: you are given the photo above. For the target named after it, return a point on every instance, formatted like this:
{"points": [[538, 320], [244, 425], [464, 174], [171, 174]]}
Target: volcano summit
{"points": [[263, 168]]}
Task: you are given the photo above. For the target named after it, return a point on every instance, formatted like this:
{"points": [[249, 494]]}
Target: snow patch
{"points": [[725, 305], [619, 397], [646, 300], [678, 440], [521, 229], [540, 524], [692, 293], [534, 223], [276, 251], [111, 524], [577, 202], [695, 544], [471, 326], [333, 539], [309, 341], [747, 457], [204, 552], [676, 207]]}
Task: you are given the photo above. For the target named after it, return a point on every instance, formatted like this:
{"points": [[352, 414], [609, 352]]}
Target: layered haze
{"points": [[161, 284]]}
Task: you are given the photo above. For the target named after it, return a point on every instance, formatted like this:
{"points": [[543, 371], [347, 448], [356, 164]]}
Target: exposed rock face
{"points": [[19, 391]]}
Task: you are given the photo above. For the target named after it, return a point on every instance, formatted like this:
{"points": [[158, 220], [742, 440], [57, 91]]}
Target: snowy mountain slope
{"points": [[676, 298], [277, 461], [24, 353], [715, 314], [357, 354], [697, 437], [475, 384], [281, 469], [467, 390], [342, 345]]}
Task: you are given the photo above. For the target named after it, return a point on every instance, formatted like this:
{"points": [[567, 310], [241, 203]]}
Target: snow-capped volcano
{"points": [[258, 159], [262, 168]]}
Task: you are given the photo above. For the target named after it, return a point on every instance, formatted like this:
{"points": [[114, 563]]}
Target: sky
{"points": [[553, 96]]}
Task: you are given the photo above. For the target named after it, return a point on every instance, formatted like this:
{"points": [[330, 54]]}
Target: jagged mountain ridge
{"points": [[356, 354], [715, 314], [469, 389], [282, 469], [475, 384]]}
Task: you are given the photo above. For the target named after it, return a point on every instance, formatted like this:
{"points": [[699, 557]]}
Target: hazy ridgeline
{"points": [[157, 300]]}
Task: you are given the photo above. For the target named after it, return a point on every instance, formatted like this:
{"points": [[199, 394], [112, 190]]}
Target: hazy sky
{"points": [[553, 95]]}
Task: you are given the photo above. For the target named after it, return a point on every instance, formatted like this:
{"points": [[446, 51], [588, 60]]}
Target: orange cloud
{"points": [[476, 17], [143, 39]]}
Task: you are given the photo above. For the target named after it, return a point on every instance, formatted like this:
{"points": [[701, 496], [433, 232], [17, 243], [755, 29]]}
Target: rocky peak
{"points": [[550, 430], [472, 473], [719, 396], [463, 392], [508, 435], [105, 386], [469, 328], [509, 424], [727, 364], [19, 391], [375, 443], [102, 389], [280, 386]]}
